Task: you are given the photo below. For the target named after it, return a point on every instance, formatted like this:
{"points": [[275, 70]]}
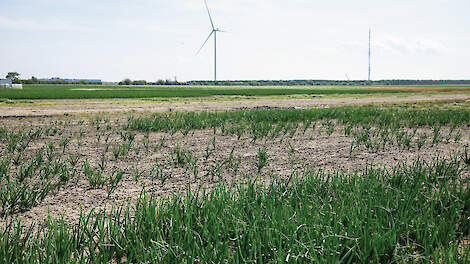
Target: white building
{"points": [[8, 84]]}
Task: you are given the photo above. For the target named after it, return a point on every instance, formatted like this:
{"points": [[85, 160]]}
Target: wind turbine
{"points": [[213, 32]]}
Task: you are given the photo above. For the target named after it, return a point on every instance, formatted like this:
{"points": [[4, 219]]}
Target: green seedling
{"points": [[113, 181], [263, 158]]}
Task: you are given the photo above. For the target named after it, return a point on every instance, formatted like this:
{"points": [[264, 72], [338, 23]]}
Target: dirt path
{"points": [[60, 107]]}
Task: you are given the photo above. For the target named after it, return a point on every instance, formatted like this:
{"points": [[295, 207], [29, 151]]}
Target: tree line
{"points": [[14, 76], [144, 82], [328, 82]]}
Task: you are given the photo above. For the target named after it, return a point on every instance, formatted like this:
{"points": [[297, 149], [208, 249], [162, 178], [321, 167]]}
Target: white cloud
{"points": [[400, 45], [410, 45], [12, 23]]}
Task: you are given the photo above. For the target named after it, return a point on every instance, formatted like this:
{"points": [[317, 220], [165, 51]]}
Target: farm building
{"points": [[8, 84], [5, 83]]}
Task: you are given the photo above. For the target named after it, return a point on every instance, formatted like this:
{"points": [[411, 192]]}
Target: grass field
{"points": [[331, 185], [90, 91]]}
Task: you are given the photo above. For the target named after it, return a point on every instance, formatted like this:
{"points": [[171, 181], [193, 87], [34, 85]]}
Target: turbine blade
{"points": [[209, 13], [212, 32]]}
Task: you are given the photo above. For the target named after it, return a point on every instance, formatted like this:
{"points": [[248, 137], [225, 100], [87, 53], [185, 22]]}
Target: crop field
{"points": [[346, 184], [114, 91]]}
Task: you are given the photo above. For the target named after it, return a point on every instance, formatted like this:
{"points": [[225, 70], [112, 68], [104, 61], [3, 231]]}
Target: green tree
{"points": [[126, 81], [139, 82], [13, 76]]}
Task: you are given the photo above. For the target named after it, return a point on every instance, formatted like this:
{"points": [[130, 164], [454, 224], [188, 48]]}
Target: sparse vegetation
{"points": [[239, 186]]}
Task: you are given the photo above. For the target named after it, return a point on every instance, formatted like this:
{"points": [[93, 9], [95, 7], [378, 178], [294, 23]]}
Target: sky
{"points": [[265, 39]]}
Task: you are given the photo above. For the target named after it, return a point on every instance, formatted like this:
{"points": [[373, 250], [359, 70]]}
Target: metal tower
{"points": [[369, 56]]}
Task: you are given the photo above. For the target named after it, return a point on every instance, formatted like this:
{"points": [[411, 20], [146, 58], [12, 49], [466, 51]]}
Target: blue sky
{"points": [[267, 39]]}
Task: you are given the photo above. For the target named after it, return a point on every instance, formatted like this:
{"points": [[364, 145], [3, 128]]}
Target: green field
{"points": [[103, 91], [416, 211]]}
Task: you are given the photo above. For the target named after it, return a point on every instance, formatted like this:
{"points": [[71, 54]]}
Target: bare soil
{"points": [[288, 154], [83, 106]]}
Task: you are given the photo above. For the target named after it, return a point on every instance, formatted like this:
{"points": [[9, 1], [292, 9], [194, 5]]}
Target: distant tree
{"points": [[139, 82], [33, 80], [13, 76], [126, 81]]}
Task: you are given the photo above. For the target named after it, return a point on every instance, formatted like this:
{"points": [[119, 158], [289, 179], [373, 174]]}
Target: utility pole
{"points": [[369, 56]]}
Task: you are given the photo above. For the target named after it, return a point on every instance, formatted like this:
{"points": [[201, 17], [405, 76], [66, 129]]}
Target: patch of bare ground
{"points": [[164, 164], [90, 106]]}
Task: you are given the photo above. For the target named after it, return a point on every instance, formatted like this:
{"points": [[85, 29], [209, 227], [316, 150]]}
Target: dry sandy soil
{"points": [[61, 107], [301, 152]]}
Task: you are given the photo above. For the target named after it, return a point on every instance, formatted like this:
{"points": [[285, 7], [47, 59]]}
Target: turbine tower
{"points": [[213, 32], [369, 56]]}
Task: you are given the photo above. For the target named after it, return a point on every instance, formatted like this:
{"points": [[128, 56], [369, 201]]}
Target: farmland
{"points": [[350, 184], [414, 96], [194, 132], [114, 91]]}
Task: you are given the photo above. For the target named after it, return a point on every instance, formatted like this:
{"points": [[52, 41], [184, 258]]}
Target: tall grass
{"points": [[371, 127], [410, 213], [350, 115]]}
